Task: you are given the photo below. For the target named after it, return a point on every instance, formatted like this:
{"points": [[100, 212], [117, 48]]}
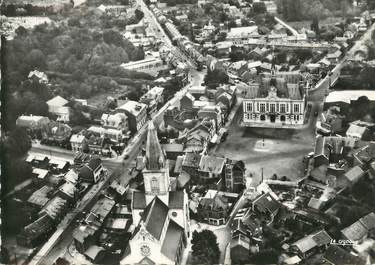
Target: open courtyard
{"points": [[276, 151]]}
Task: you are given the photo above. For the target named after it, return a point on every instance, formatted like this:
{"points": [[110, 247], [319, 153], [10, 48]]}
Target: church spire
{"points": [[155, 159]]}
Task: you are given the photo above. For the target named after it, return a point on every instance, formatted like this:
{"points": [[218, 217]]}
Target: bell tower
{"points": [[156, 172]]}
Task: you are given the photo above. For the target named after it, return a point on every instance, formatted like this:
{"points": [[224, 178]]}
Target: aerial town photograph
{"points": [[187, 132]]}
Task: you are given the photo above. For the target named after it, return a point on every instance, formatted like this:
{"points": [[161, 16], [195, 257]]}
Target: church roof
{"points": [[154, 154], [172, 239], [139, 200], [176, 199], [154, 217]]}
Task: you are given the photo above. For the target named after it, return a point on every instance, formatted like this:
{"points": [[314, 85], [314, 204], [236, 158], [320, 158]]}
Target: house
{"points": [[187, 101], [211, 167], [56, 208], [237, 35], [266, 204], [38, 76], [214, 208], [334, 57], [172, 151], [359, 230], [32, 122], [137, 114], [68, 191], [354, 174], [92, 171], [118, 121], [56, 133], [234, 175], [41, 196], [190, 163], [57, 106], [40, 173], [336, 255], [84, 236], [153, 98], [57, 165], [309, 244], [39, 161], [358, 132], [77, 142], [37, 232], [213, 113]]}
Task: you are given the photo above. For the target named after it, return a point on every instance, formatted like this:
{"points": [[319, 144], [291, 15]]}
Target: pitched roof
{"points": [[337, 255], [139, 200], [172, 238], [55, 207], [313, 240], [154, 154], [212, 164], [267, 202], [354, 174], [57, 101], [176, 199], [154, 217], [191, 160], [94, 163]]}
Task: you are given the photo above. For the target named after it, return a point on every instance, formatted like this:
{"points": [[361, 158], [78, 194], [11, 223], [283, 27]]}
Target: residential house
{"points": [[41, 196], [86, 234], [56, 133], [77, 142], [336, 255], [58, 107], [92, 171], [37, 232], [213, 113], [211, 167], [358, 132], [214, 209], [115, 126], [32, 122], [359, 230], [234, 175], [266, 205], [153, 98], [187, 101], [334, 57], [56, 208], [69, 192], [137, 114], [308, 245]]}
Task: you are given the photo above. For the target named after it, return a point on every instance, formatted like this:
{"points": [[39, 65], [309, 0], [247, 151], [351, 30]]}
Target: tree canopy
{"points": [[205, 247]]}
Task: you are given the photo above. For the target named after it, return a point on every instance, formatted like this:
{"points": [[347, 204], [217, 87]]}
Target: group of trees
{"points": [[205, 248], [80, 54], [215, 77], [296, 10]]}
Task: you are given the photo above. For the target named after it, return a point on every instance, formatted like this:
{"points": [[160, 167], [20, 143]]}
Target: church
{"points": [[275, 99], [160, 213]]}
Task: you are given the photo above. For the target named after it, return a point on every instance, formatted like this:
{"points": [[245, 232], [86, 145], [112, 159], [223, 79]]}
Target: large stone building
{"points": [[160, 212], [275, 99]]}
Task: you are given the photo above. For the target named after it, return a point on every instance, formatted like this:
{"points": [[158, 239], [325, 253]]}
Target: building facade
{"points": [[275, 100]]}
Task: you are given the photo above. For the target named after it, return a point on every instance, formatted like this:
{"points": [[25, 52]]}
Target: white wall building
{"points": [[277, 99]]}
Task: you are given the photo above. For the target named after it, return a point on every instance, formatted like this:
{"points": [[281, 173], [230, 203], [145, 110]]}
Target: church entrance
{"points": [[272, 117]]}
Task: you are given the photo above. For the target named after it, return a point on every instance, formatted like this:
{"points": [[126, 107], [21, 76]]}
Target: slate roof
{"points": [[154, 153], [176, 199], [172, 238], [94, 163], [359, 229], [154, 217], [139, 200], [55, 207], [267, 202]]}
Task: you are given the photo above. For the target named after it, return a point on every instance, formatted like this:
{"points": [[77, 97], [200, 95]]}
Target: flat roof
{"points": [[348, 95]]}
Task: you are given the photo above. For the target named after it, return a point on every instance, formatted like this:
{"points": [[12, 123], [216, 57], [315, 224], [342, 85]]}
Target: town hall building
{"points": [[160, 213], [275, 99]]}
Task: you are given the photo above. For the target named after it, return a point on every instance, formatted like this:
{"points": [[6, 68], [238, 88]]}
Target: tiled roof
{"points": [[354, 174], [337, 256], [191, 160], [57, 101], [172, 238], [212, 164], [267, 202]]}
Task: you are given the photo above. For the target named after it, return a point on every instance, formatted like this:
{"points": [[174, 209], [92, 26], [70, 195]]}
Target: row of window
{"points": [[272, 107], [249, 116]]}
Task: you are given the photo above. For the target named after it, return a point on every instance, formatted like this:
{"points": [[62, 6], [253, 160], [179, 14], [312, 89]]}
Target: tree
{"points": [[259, 7], [205, 247]]}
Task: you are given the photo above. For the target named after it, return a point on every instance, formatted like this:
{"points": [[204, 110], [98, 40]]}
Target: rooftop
{"points": [[155, 216]]}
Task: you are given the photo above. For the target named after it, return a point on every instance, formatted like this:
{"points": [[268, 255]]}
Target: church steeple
{"points": [[155, 159]]}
